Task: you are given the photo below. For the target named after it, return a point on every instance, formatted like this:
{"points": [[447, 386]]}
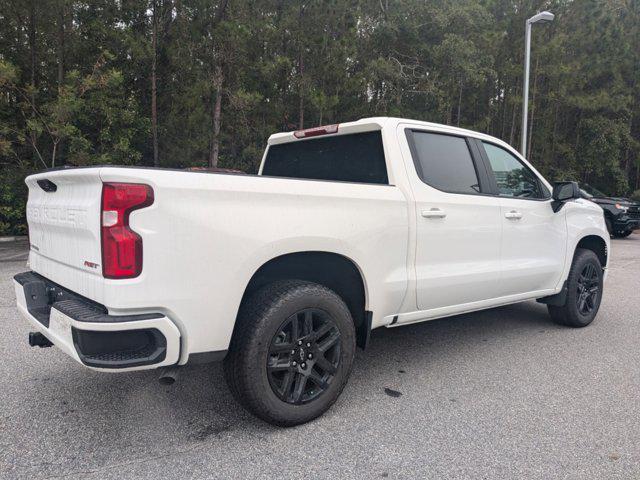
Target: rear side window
{"points": [[357, 157], [444, 162]]}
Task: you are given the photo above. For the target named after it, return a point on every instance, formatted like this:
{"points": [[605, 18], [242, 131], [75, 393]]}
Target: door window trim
{"points": [[492, 178], [476, 160]]}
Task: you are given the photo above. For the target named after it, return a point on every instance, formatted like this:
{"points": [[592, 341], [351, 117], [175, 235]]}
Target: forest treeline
{"points": [[180, 83]]}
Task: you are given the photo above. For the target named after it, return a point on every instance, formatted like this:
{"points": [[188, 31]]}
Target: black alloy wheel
{"points": [[291, 352], [588, 285], [584, 291], [304, 356]]}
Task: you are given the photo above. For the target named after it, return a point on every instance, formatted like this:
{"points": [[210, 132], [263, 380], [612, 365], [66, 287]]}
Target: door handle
{"points": [[434, 213], [513, 215]]}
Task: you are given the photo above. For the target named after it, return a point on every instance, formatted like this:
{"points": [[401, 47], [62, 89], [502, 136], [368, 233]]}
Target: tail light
{"points": [[121, 246]]}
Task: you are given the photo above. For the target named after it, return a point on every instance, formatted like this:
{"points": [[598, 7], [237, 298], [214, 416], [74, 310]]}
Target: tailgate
{"points": [[63, 213]]}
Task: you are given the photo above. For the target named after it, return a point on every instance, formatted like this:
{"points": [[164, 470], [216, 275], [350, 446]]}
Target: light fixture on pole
{"points": [[542, 17]]}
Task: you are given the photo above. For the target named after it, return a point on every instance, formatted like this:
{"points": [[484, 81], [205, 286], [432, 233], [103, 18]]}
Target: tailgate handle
{"points": [[47, 185]]}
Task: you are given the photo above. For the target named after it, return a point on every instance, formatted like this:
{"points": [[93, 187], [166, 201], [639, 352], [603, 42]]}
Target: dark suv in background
{"points": [[622, 215]]}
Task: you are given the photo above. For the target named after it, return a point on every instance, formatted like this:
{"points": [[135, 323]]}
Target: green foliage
{"points": [[13, 199], [75, 80]]}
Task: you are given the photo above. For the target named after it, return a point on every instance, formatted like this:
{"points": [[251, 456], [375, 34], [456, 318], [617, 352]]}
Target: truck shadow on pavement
{"points": [[200, 406], [415, 348]]}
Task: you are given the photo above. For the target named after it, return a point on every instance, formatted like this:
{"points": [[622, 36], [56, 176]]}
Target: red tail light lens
{"points": [[121, 246]]}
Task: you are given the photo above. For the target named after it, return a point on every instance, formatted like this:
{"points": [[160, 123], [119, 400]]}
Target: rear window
{"points": [[357, 157]]}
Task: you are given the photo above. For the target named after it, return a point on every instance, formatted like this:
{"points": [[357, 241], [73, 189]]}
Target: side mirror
{"points": [[563, 192]]}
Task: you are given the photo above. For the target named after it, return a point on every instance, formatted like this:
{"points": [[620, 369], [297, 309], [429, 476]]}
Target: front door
{"points": [[533, 236]]}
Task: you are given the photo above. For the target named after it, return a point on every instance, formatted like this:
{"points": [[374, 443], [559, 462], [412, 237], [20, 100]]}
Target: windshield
{"points": [[590, 191]]}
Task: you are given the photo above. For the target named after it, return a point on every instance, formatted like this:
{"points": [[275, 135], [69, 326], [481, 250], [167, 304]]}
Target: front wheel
{"points": [[584, 291], [291, 352]]}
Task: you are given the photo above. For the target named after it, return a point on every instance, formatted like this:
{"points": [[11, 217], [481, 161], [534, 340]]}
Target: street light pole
{"points": [[525, 89], [542, 17]]}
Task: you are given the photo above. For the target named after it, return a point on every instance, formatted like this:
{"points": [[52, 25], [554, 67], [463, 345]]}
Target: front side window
{"points": [[444, 162], [514, 179]]}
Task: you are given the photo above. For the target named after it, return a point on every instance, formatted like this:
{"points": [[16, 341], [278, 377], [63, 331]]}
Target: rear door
{"points": [[534, 238], [458, 221]]}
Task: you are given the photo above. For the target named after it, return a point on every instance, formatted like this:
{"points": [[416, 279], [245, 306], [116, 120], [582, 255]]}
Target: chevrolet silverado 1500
{"points": [[380, 222]]}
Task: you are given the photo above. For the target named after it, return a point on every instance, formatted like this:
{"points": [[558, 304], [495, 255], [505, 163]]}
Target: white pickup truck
{"points": [[380, 222]]}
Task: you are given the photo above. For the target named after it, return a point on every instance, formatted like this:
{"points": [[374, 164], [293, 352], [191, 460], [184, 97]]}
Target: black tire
{"points": [[584, 291], [624, 234], [265, 378]]}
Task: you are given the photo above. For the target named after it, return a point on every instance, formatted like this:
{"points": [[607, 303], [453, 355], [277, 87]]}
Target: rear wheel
{"points": [[584, 291], [291, 353]]}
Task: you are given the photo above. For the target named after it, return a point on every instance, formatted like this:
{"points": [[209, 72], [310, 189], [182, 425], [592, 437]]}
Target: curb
{"points": [[12, 239]]}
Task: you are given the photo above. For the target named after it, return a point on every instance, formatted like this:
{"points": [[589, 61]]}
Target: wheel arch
{"points": [[592, 241], [333, 270], [596, 244]]}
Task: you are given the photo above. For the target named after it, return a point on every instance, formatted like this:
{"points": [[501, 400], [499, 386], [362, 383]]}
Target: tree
{"points": [[182, 83]]}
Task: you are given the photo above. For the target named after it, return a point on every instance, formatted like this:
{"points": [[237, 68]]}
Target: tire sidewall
{"points": [[583, 258], [263, 397]]}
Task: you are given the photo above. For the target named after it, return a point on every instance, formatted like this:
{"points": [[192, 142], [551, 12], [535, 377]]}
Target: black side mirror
{"points": [[563, 192]]}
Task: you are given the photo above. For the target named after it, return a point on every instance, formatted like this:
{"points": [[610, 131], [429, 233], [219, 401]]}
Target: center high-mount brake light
{"points": [[314, 132], [121, 246]]}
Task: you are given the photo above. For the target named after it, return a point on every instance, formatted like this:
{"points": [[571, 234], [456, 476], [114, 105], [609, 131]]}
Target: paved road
{"points": [[14, 251], [498, 394]]}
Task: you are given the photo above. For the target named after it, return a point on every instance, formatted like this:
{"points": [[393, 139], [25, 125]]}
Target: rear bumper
{"points": [[87, 333]]}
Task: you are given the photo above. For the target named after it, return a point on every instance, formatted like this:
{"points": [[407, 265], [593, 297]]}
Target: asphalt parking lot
{"points": [[502, 393]]}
